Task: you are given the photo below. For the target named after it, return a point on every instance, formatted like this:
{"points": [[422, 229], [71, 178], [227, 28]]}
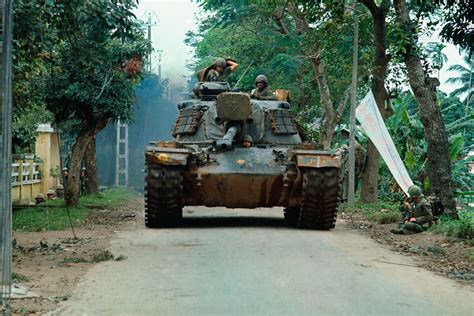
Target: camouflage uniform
{"points": [[424, 218], [214, 75], [263, 94]]}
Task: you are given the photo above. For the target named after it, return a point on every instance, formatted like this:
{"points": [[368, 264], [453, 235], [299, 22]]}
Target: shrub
{"points": [[460, 228]]}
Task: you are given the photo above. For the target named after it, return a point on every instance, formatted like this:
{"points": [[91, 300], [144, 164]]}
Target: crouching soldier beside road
{"points": [[417, 213]]}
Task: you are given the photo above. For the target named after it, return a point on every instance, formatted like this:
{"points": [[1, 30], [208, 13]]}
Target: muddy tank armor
{"points": [[207, 164]]}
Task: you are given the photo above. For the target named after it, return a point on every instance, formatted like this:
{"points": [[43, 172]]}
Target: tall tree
{"points": [[90, 163], [379, 71], [94, 72], [424, 88]]}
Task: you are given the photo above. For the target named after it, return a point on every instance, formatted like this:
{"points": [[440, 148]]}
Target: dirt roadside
{"points": [[50, 263], [447, 256], [54, 262]]}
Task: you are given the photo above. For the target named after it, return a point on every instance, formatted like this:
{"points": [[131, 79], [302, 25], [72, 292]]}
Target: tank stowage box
{"points": [[208, 165]]}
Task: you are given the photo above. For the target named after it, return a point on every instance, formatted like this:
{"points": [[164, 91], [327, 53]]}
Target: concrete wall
{"points": [[32, 176]]}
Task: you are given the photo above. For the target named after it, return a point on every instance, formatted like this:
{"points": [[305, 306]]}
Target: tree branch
{"points": [[106, 83], [278, 18], [370, 4], [342, 103]]}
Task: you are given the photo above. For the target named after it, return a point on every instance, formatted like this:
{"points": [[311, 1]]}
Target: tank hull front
{"points": [[242, 178]]}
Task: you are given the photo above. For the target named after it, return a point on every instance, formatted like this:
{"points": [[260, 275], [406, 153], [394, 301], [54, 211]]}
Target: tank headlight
{"points": [[163, 157]]}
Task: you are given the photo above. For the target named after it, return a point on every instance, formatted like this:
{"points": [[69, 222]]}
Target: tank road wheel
{"points": [[320, 198], [163, 196], [291, 216]]}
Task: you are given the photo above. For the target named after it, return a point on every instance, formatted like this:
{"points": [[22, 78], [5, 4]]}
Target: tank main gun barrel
{"points": [[226, 142]]}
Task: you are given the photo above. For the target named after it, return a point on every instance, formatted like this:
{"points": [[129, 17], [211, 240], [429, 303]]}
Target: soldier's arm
{"points": [[232, 65]]}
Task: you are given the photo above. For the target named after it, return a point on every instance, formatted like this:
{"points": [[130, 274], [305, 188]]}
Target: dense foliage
{"points": [[76, 63], [280, 39]]}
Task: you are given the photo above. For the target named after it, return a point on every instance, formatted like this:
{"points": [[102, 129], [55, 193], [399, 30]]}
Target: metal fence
{"points": [[6, 12]]}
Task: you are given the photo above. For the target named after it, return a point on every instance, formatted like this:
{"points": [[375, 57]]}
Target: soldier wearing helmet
{"points": [[417, 213], [51, 194], [39, 198], [247, 141], [221, 69], [261, 92]]}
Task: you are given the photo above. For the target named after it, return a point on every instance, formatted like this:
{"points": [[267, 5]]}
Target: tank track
{"points": [[163, 195], [320, 198], [291, 216]]}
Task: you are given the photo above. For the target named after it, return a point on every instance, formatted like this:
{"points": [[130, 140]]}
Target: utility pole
{"points": [[149, 23], [6, 12], [351, 189]]}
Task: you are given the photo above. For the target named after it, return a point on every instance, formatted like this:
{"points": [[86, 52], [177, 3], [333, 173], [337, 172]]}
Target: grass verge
{"points": [[381, 212], [53, 215]]}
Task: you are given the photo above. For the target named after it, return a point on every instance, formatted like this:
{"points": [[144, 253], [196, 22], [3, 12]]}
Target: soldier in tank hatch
{"points": [[261, 92]]}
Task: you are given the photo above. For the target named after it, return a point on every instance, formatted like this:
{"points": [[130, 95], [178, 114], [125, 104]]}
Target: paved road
{"points": [[224, 265]]}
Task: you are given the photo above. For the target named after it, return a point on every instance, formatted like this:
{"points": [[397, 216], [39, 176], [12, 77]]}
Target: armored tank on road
{"points": [[207, 164]]}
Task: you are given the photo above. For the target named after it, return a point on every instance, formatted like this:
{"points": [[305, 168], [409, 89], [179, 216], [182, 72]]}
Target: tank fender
{"points": [[316, 159], [168, 158]]}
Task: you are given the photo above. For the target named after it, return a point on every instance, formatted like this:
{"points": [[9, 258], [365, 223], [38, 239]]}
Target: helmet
{"points": [[261, 78], [39, 196], [220, 62], [247, 138], [414, 191], [49, 192], [59, 187]]}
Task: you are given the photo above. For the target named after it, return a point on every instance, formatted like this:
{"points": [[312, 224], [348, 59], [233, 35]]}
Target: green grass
{"points": [[460, 228], [53, 215], [17, 277], [381, 212], [108, 199]]}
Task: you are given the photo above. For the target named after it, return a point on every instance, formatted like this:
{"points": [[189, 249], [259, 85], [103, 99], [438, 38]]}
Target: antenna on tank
{"points": [[238, 81]]}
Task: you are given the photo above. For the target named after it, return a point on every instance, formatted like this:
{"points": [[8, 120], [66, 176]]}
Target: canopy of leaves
{"points": [[68, 58], [457, 20], [87, 80], [247, 32]]}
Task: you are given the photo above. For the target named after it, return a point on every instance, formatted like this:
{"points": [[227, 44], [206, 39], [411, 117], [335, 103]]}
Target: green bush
{"points": [[460, 228]]}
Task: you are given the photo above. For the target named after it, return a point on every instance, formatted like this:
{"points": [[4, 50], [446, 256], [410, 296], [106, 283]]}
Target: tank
{"points": [[208, 165]]}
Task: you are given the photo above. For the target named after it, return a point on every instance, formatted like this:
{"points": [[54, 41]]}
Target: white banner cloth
{"points": [[367, 113]]}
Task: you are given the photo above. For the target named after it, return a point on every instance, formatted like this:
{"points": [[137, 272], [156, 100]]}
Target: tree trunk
{"points": [[370, 178], [90, 162], [73, 181], [73, 186], [439, 164]]}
